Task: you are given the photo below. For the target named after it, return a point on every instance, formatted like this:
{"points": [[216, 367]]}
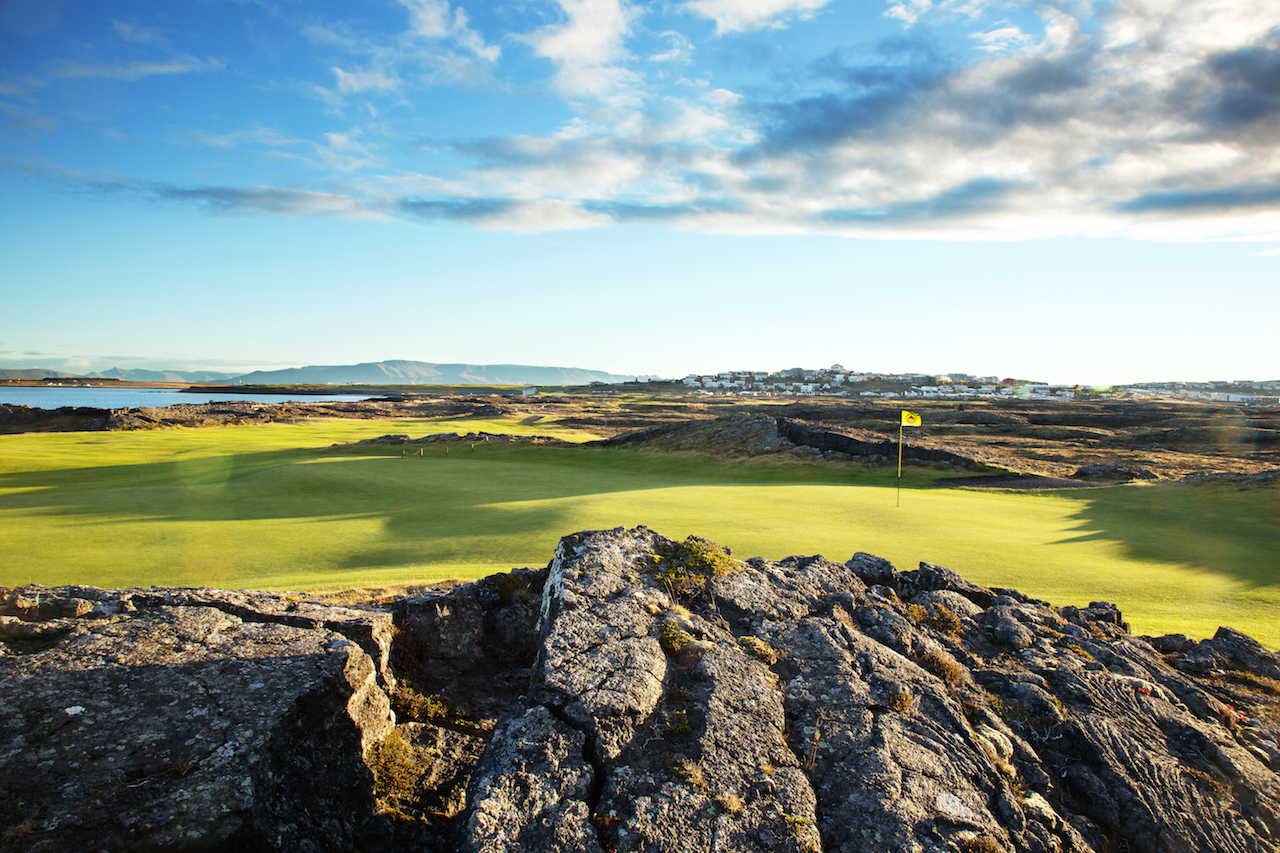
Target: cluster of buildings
{"points": [[851, 383], [1238, 391], [838, 381]]}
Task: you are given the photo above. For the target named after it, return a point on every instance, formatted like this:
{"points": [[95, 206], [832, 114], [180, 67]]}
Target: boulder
{"points": [[164, 720]]}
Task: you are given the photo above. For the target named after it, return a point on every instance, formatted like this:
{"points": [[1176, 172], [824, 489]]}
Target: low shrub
{"points": [[1080, 650], [903, 702], [409, 704], [981, 844], [684, 568], [939, 617], [672, 639], [395, 768], [944, 620], [689, 771], [952, 673], [731, 803], [760, 650]]}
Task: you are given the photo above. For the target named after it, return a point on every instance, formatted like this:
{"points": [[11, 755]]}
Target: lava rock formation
{"points": [[639, 693]]}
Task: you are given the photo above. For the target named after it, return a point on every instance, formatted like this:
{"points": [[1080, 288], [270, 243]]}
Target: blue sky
{"points": [[1071, 191]]}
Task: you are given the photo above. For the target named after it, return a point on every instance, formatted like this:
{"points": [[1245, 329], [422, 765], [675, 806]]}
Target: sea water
{"points": [[56, 397]]}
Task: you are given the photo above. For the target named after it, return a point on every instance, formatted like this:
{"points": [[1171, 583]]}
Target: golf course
{"points": [[295, 506]]}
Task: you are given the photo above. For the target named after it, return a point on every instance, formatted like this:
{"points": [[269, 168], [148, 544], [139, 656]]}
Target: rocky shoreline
{"points": [[639, 693]]}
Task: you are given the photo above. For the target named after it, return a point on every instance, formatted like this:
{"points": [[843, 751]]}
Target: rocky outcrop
{"points": [[480, 437], [743, 433], [637, 694], [186, 719], [15, 418], [867, 444], [1112, 471], [754, 434]]}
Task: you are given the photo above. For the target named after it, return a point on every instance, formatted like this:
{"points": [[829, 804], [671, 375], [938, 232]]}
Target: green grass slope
{"points": [[277, 507]]}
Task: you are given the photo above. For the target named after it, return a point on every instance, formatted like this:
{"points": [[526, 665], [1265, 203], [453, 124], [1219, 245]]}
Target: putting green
{"points": [[277, 507]]}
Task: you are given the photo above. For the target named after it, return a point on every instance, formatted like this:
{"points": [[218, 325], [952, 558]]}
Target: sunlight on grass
{"points": [[280, 507]]}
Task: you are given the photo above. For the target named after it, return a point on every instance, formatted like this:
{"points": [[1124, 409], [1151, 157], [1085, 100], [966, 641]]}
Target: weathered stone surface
{"points": [[967, 717], [157, 720], [638, 694]]}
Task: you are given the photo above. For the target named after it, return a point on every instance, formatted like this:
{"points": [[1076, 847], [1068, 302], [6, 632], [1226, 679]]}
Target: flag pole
{"points": [[898, 502]]}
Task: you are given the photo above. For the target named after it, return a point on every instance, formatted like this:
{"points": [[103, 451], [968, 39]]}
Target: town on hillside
{"points": [[838, 381]]}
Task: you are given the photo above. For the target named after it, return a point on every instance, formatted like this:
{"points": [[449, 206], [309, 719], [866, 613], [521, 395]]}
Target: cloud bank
{"points": [[1153, 119]]}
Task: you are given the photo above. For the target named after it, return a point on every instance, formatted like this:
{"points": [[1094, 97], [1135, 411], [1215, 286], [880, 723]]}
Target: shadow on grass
{"points": [[434, 507], [1220, 529]]}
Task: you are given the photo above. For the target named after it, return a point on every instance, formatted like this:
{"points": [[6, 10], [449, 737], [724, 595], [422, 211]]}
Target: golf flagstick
{"points": [[908, 419]]}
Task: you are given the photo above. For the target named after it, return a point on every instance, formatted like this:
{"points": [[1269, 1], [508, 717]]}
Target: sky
{"points": [[1066, 190]]}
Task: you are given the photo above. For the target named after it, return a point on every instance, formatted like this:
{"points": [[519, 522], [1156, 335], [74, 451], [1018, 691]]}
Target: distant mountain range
{"points": [[36, 373], [396, 372], [162, 375], [121, 374], [428, 373]]}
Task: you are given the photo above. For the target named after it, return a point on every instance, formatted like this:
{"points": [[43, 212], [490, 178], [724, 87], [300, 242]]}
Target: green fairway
{"points": [[277, 507]]}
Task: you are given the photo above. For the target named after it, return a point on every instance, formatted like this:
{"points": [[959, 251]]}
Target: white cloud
{"points": [[544, 215], [430, 18], [182, 64], [139, 35], [679, 49], [587, 47], [910, 10], [16, 89], [739, 15], [1008, 37], [27, 123], [263, 136], [593, 35], [367, 80], [344, 151], [435, 20], [439, 46]]}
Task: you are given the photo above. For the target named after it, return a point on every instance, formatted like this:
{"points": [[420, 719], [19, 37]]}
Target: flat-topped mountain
{"points": [[399, 372], [637, 694]]}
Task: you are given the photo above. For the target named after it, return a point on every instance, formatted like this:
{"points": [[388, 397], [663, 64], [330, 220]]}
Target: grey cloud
{"points": [[249, 200], [984, 194], [1221, 199], [1250, 80], [621, 211], [465, 210], [1041, 77], [828, 119], [908, 96], [226, 201], [870, 95], [28, 124], [506, 151]]}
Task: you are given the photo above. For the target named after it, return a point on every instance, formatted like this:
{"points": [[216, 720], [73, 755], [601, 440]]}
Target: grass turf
{"points": [[277, 507]]}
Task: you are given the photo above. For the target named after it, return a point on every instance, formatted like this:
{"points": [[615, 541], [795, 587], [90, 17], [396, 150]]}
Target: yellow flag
{"points": [[910, 419]]}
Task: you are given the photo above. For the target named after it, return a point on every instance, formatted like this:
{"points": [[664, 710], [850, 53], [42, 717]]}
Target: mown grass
{"points": [[277, 507]]}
